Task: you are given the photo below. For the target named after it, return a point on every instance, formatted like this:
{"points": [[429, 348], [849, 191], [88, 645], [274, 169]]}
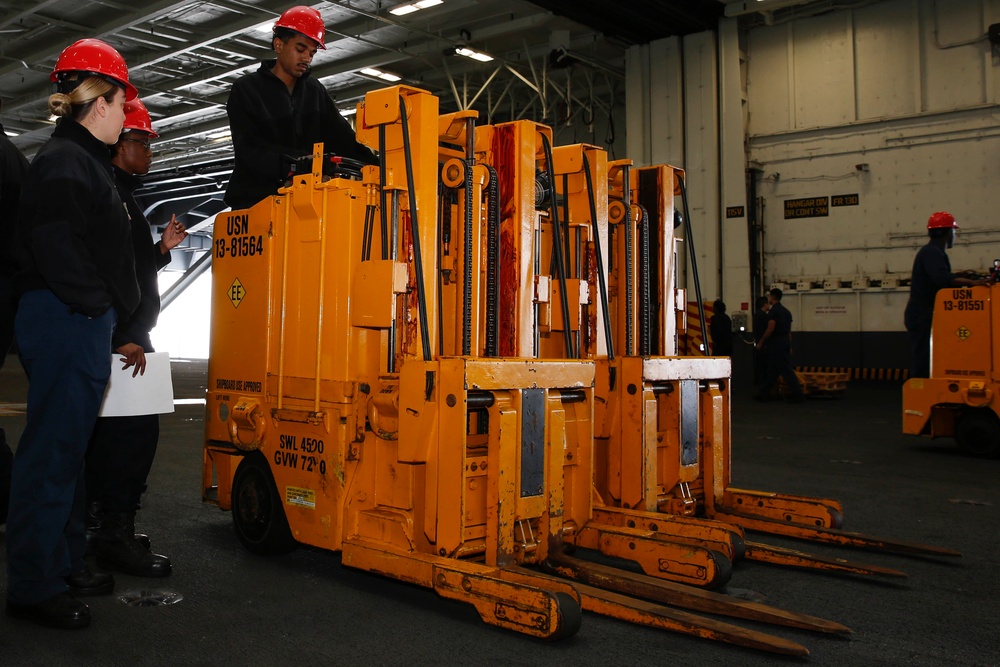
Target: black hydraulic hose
{"points": [[381, 192], [694, 265], [470, 161], [366, 240], [493, 266], [418, 263], [557, 248], [601, 280]]}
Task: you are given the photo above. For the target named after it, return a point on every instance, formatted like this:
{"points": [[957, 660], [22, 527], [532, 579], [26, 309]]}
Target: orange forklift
{"points": [[414, 369], [960, 398]]}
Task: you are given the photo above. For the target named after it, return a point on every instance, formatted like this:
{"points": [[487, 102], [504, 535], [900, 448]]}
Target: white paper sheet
{"points": [[148, 394]]}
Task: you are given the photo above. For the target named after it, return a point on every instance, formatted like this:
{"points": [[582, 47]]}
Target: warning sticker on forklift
{"points": [[300, 497]]}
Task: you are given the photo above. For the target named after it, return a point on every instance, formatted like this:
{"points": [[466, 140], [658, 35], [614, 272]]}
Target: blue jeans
{"points": [[67, 357]]}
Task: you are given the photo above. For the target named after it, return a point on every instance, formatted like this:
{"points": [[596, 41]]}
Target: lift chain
{"points": [[492, 264]]}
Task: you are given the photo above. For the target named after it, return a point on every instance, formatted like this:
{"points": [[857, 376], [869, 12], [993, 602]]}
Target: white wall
{"points": [[907, 88]]}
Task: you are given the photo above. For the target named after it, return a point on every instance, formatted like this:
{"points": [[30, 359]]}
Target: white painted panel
{"points": [[955, 71], [827, 311], [702, 158], [735, 288], [888, 55], [637, 85], [666, 102], [823, 70], [768, 80], [654, 109], [883, 311]]}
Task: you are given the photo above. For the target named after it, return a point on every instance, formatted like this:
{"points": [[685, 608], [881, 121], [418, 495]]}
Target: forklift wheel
{"points": [[258, 514], [978, 432]]}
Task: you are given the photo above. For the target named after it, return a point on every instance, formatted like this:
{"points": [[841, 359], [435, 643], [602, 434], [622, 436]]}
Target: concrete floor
{"points": [[305, 608]]}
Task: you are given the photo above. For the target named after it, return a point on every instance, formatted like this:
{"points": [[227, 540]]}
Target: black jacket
{"points": [[268, 122], [72, 230], [782, 318], [721, 329], [931, 272], [13, 167], [148, 262]]}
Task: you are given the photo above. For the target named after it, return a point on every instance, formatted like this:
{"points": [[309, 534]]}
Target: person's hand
{"points": [[172, 235], [133, 355]]}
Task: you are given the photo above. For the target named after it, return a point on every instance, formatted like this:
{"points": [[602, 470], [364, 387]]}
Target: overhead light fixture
{"points": [[402, 10], [379, 74], [53, 118], [10, 134], [266, 27], [472, 53], [349, 111], [221, 135]]}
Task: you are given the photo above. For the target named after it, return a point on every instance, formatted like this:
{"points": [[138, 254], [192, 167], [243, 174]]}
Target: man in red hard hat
{"points": [[122, 449], [931, 272], [279, 111]]}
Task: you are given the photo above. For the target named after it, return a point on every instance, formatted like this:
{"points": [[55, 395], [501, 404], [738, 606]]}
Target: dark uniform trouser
{"points": [[67, 360], [119, 459], [779, 364], [6, 337], [920, 351]]}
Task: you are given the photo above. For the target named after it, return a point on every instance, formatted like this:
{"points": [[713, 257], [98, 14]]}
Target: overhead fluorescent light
{"points": [[265, 27], [349, 111], [220, 135], [402, 10], [472, 53], [10, 134], [379, 74]]}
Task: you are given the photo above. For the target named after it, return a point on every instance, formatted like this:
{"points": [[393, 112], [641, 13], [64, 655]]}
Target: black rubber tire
{"points": [[258, 514], [723, 570], [978, 432], [739, 546], [570, 617]]}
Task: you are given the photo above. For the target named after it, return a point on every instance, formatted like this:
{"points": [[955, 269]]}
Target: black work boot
{"points": [[95, 523], [119, 550]]}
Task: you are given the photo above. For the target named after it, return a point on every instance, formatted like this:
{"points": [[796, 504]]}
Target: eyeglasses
{"points": [[142, 142]]}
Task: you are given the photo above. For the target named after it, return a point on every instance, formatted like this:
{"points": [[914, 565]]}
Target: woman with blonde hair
{"points": [[75, 279]]}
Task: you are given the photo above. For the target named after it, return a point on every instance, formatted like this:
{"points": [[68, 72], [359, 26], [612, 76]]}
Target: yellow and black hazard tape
{"points": [[888, 374]]}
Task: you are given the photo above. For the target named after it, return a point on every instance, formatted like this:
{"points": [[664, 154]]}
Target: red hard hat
{"points": [[304, 20], [97, 57], [137, 118], [942, 220]]}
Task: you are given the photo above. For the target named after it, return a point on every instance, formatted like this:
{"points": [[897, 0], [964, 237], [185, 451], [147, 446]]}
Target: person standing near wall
{"points": [[931, 272], [720, 327], [777, 339], [122, 449], [75, 280]]}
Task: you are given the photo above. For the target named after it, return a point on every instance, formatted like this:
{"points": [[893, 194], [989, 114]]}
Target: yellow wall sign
{"points": [[236, 293], [809, 207]]}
